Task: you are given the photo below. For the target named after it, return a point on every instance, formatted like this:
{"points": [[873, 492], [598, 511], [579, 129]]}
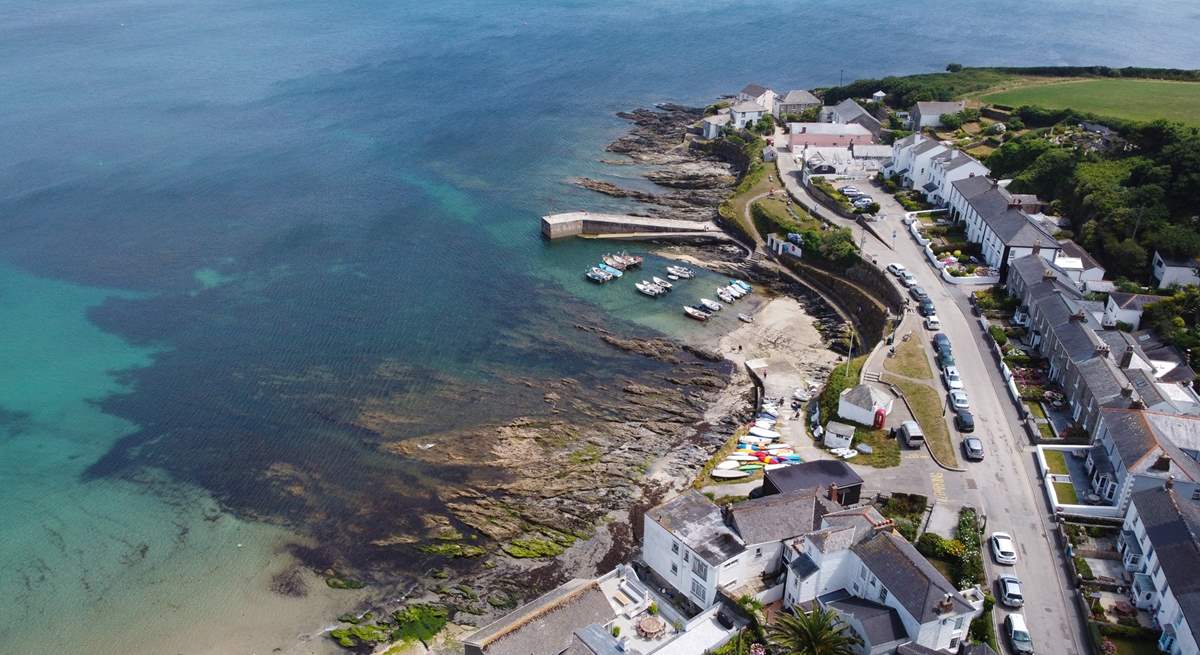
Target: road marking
{"points": [[939, 486]]}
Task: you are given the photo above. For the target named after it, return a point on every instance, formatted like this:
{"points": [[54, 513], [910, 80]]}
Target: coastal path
{"points": [[1005, 486]]}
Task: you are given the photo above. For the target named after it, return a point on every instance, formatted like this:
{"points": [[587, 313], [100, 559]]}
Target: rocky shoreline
{"points": [[566, 488]]}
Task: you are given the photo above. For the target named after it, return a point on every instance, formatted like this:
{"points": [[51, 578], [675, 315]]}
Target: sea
{"points": [[224, 225]]}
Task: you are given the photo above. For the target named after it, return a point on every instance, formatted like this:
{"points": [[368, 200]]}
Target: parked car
{"points": [[1004, 551], [964, 421], [863, 201], [1018, 634], [907, 279], [918, 294], [941, 342], [932, 323], [1009, 587], [848, 189], [959, 399], [926, 308], [945, 360], [910, 432], [973, 449], [896, 268], [950, 376]]}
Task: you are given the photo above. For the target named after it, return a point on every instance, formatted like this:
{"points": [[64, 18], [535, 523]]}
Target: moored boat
{"points": [[631, 261], [672, 276], [681, 271], [662, 283], [729, 464], [729, 474], [724, 296], [598, 276], [614, 262], [615, 272], [648, 289], [710, 305], [745, 318], [697, 314], [764, 433], [743, 285], [734, 290]]}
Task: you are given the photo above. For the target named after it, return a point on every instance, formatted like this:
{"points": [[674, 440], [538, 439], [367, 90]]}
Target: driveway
{"points": [[1005, 485]]}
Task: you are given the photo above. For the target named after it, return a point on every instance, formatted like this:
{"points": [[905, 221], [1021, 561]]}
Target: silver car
{"points": [[1009, 587]]}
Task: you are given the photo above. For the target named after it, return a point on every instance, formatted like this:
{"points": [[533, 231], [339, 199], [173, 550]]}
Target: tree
{"points": [[954, 68], [820, 632], [951, 121]]}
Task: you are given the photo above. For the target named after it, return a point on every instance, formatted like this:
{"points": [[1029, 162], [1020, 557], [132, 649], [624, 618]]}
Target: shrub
{"points": [[1082, 568], [616, 631], [906, 528], [930, 545], [1126, 632], [998, 335], [653, 609]]}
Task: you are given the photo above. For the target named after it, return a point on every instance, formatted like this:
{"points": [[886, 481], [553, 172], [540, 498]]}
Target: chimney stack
{"points": [[833, 492], [1078, 316], [1170, 483], [1127, 391], [1127, 358], [1102, 350]]}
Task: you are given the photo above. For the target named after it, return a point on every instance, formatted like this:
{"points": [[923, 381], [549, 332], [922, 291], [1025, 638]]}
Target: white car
{"points": [[907, 279], [1004, 551], [951, 378], [932, 323], [958, 398], [896, 269]]}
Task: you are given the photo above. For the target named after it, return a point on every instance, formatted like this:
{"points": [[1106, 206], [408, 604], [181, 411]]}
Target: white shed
{"points": [[859, 404], [838, 435]]}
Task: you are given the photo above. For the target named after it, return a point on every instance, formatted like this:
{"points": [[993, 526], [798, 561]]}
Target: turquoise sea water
{"points": [[220, 221]]}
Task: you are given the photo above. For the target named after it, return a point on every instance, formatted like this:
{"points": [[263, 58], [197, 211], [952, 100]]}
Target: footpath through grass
{"points": [[1128, 98], [926, 405]]}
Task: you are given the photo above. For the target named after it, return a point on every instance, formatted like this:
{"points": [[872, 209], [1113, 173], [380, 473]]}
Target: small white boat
{"points": [[725, 298], [672, 276], [737, 457], [732, 474], [736, 291], [778, 446], [692, 312], [710, 305], [729, 464], [662, 283], [648, 289], [772, 467], [850, 454], [765, 423], [764, 434], [756, 441], [681, 271], [745, 318], [770, 410], [744, 285], [801, 394]]}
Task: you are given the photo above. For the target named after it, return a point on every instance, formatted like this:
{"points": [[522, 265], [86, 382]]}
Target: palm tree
{"points": [[820, 632]]}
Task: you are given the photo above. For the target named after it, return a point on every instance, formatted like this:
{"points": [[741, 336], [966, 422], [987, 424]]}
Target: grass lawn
{"points": [[885, 450], [1056, 462], [756, 182], [779, 217], [1134, 99], [1065, 492], [942, 565], [910, 360], [1035, 409], [1046, 431], [926, 403]]}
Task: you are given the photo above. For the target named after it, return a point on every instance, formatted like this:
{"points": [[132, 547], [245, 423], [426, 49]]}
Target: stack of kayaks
{"points": [[758, 450]]}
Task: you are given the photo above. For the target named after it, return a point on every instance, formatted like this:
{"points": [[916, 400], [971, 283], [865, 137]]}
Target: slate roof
{"points": [[815, 474], [1011, 225], [1104, 381], [913, 648], [717, 119], [1136, 301], [962, 159], [1137, 434], [800, 97], [925, 146], [932, 108], [1101, 460], [753, 90], [547, 623], [693, 519], [1172, 521], [880, 624], [1072, 249], [866, 396], [908, 140], [839, 428], [780, 516], [595, 640], [747, 106], [849, 110], [802, 566], [909, 577]]}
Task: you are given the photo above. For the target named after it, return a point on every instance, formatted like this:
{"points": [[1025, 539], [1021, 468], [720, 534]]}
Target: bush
{"points": [[930, 545], [616, 631], [653, 609], [1082, 568], [998, 335], [906, 528]]}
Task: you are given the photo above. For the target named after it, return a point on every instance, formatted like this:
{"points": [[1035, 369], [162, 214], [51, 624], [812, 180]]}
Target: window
{"points": [[757, 553], [862, 572], [729, 563], [685, 556], [883, 594], [675, 548], [698, 590], [958, 623], [700, 568], [674, 568]]}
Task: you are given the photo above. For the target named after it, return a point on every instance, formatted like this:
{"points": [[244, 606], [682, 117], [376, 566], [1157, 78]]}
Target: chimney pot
{"points": [[1127, 391], [1170, 483]]}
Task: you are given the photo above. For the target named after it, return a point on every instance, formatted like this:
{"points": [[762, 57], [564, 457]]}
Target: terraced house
{"points": [[1160, 546]]}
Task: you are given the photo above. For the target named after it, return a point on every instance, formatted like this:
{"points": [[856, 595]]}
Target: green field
{"points": [[1134, 99]]}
